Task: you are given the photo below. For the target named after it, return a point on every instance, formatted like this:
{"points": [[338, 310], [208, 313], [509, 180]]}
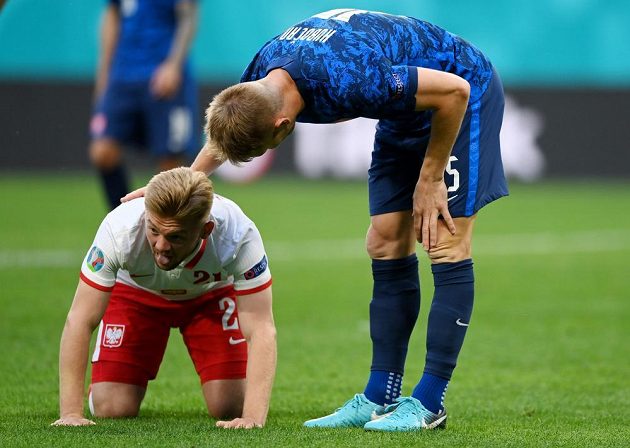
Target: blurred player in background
{"points": [[145, 93], [436, 162], [180, 258]]}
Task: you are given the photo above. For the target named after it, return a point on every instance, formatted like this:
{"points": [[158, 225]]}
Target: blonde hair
{"points": [[238, 120], [181, 194]]}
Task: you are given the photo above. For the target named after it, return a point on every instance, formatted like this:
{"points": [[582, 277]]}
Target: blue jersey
{"points": [[147, 29], [350, 63]]}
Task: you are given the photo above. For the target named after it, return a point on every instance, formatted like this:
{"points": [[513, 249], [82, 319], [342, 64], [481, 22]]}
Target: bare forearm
{"points": [[446, 95], [73, 357], [445, 125], [444, 129], [110, 29], [205, 161], [109, 39], [186, 28], [261, 370]]}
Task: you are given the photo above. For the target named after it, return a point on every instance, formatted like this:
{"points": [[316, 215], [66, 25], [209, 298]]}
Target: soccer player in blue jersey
{"points": [[145, 93], [436, 162]]}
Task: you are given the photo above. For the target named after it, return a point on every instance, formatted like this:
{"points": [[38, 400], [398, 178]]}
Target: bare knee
{"points": [[105, 153], [225, 409], [224, 398], [453, 248], [390, 236], [115, 409], [109, 401], [450, 252]]}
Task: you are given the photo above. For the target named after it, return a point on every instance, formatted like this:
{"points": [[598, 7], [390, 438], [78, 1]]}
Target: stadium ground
{"points": [[546, 361]]}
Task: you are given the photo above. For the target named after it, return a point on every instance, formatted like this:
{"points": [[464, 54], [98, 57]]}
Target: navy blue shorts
{"points": [[131, 115], [474, 175]]}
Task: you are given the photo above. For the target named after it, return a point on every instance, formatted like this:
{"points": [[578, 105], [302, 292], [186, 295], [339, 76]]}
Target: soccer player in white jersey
{"points": [[181, 257]]}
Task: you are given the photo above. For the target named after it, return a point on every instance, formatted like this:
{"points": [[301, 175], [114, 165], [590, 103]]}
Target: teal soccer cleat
{"points": [[355, 413], [407, 414]]}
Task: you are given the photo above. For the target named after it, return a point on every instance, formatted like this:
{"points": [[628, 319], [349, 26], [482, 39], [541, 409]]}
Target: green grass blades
{"points": [[545, 363]]}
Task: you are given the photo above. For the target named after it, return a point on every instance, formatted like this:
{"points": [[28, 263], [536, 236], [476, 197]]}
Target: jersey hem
{"points": [[95, 285], [244, 292]]}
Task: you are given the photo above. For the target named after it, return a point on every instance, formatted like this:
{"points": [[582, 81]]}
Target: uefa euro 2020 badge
{"points": [[95, 259]]}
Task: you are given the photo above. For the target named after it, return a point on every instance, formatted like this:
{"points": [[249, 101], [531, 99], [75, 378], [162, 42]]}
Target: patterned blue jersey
{"points": [[147, 29], [350, 63]]}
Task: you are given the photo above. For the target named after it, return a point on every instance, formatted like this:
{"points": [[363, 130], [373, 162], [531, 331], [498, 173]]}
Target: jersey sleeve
{"points": [[101, 263], [250, 267], [374, 88]]}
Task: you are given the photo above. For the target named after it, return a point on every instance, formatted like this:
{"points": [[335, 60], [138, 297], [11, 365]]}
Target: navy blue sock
{"points": [[431, 391], [383, 387], [448, 320], [393, 313], [116, 184]]}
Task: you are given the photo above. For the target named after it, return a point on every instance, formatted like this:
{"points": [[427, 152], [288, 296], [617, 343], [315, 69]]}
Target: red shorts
{"points": [[135, 328]]}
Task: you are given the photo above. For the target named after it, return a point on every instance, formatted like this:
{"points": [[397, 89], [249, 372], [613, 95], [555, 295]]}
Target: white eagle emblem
{"points": [[113, 335]]}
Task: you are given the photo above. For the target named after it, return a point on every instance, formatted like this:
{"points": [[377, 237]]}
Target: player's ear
{"points": [[282, 126], [207, 229]]}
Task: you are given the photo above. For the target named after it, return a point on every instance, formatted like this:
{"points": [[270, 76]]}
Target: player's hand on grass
{"points": [[239, 423], [429, 202], [73, 420], [133, 195]]}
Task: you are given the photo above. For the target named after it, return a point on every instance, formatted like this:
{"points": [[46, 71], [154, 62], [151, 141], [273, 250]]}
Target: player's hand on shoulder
{"points": [[73, 420], [139, 193], [239, 423]]}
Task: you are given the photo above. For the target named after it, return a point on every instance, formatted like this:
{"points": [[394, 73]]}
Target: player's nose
{"points": [[162, 244]]}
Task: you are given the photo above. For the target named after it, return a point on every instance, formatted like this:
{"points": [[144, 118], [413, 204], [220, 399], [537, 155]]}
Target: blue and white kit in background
{"points": [[232, 254], [128, 111], [350, 63]]}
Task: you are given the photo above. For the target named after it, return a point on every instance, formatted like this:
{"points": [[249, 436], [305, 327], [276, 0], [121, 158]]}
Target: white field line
{"points": [[484, 245], [594, 241], [40, 258]]}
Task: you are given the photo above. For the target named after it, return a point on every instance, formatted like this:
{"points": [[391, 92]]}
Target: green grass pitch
{"points": [[546, 361]]}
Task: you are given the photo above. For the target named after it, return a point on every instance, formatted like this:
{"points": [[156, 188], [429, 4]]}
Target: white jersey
{"points": [[233, 253]]}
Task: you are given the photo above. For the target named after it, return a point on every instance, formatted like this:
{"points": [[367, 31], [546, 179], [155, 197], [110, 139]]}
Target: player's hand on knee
{"points": [[429, 203], [133, 195], [239, 423], [73, 420]]}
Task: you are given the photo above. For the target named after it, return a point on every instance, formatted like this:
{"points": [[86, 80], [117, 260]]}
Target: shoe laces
{"points": [[354, 403], [407, 404]]}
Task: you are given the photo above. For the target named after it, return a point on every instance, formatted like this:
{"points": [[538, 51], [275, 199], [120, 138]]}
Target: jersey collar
{"points": [[197, 256]]}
